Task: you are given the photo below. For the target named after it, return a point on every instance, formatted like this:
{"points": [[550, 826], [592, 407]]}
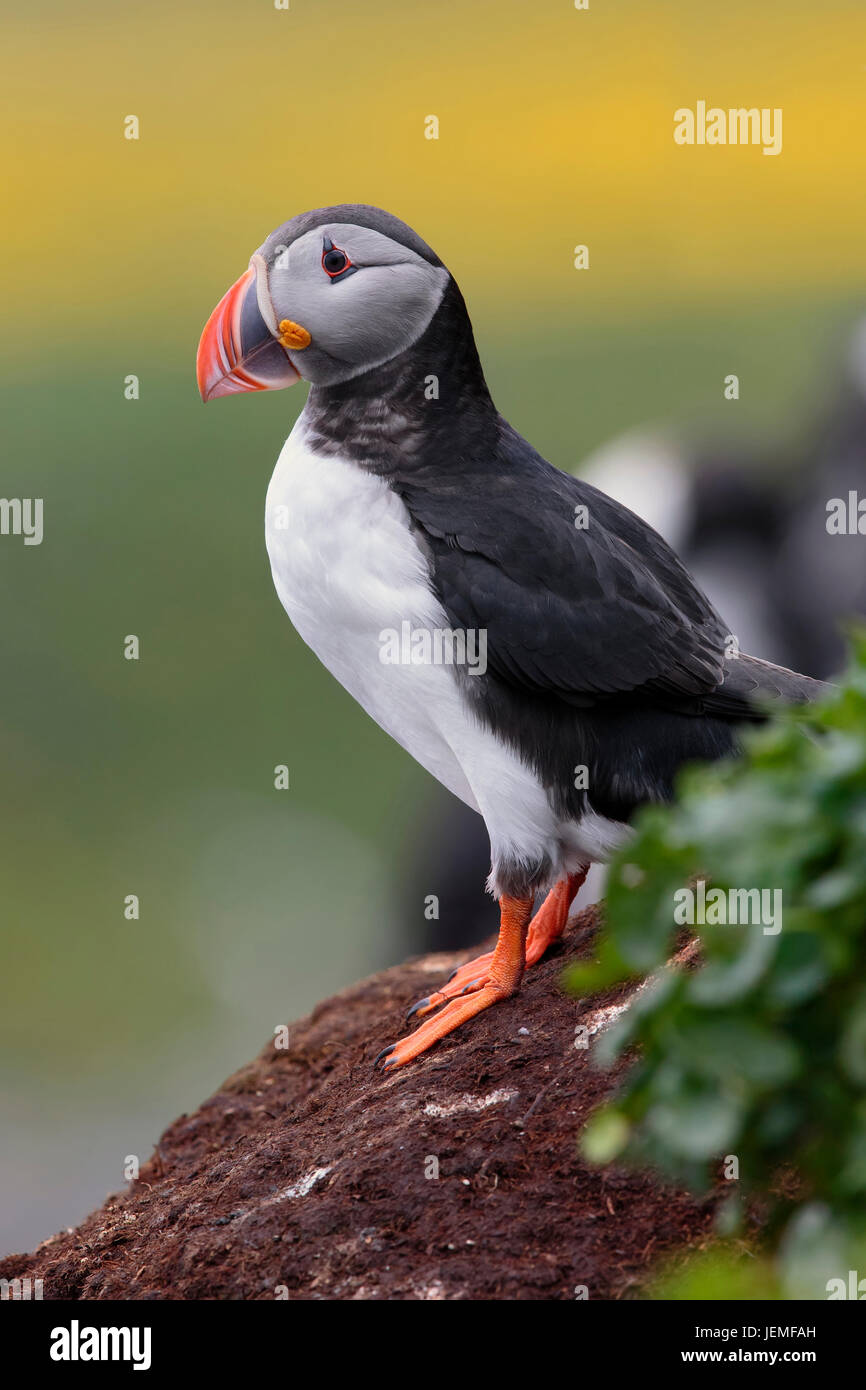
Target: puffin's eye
{"points": [[335, 262]]}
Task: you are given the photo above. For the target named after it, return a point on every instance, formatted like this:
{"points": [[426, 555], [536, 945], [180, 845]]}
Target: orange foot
{"points": [[502, 979], [547, 926]]}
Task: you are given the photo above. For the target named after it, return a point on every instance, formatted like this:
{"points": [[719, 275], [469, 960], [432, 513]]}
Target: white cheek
{"points": [[366, 318]]}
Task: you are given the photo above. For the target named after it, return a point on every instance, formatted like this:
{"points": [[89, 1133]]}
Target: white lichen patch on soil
{"points": [[297, 1189], [602, 1018], [440, 964], [468, 1105], [303, 1185]]}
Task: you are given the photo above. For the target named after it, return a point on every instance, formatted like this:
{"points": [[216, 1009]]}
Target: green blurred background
{"points": [[156, 777]]}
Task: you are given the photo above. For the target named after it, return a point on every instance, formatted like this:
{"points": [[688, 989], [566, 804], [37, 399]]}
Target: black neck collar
{"points": [[429, 405]]}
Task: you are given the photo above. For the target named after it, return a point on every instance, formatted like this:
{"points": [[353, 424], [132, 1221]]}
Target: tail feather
{"points": [[750, 682]]}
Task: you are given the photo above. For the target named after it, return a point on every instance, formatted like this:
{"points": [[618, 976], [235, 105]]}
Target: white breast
{"points": [[347, 570]]}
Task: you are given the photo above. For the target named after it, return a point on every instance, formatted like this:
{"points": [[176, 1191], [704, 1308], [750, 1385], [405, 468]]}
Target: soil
{"points": [[309, 1175]]}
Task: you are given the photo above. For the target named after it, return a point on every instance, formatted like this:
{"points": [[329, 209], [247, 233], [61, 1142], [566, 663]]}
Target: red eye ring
{"points": [[339, 261]]}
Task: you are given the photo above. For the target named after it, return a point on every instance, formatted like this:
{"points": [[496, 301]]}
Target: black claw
{"points": [[421, 1004], [455, 971], [386, 1052], [470, 987]]}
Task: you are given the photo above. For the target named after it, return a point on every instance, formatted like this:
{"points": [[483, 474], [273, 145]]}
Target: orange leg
{"points": [[503, 978], [547, 926]]}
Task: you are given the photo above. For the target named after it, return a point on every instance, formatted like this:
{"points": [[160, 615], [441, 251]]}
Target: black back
{"points": [[602, 651]]}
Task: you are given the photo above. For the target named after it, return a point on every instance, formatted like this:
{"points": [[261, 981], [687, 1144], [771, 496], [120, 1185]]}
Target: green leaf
{"points": [[605, 1136], [728, 982], [734, 1047], [852, 1045], [758, 1048], [696, 1126]]}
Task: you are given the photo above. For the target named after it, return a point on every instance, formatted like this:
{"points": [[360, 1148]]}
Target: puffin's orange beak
{"points": [[238, 351]]}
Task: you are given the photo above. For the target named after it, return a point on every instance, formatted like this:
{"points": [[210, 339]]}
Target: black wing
{"points": [[582, 611]]}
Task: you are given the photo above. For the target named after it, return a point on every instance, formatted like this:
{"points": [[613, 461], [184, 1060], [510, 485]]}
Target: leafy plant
{"points": [[752, 1066]]}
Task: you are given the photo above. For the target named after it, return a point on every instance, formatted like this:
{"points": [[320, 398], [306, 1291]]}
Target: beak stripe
{"points": [[238, 352]]}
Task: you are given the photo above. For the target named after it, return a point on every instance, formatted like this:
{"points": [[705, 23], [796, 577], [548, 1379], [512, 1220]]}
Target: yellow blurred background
{"points": [[156, 777]]}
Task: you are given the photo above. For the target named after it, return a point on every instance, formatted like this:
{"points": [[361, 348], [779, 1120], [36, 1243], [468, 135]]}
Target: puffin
{"points": [[531, 642]]}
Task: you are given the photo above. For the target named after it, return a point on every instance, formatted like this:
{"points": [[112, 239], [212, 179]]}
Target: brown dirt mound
{"points": [[310, 1175]]}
